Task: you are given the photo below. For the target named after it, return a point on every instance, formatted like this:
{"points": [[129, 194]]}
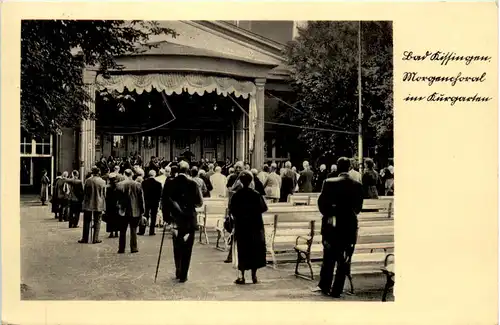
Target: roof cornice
{"points": [[241, 36]]}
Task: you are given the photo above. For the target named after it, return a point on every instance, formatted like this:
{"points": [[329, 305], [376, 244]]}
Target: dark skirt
{"points": [[112, 222], [251, 248]]}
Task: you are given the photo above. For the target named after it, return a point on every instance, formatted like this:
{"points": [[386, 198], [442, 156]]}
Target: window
{"points": [[26, 144], [147, 142], [42, 145], [118, 141]]}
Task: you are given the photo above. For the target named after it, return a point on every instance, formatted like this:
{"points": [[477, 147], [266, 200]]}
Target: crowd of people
{"points": [[128, 194]]}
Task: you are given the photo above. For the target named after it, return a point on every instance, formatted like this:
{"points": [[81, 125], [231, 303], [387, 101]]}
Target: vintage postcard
{"points": [[221, 162]]}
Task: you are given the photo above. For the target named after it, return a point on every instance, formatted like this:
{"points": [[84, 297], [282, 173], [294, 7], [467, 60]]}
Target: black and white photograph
{"points": [[203, 160]]}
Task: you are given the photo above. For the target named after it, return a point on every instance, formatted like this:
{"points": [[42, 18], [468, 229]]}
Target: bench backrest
{"points": [[298, 199]]}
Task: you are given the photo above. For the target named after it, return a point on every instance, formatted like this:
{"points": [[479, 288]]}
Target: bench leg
{"points": [[273, 257], [299, 259], [206, 235], [201, 231], [308, 260], [388, 285], [227, 239], [349, 277], [218, 239]]}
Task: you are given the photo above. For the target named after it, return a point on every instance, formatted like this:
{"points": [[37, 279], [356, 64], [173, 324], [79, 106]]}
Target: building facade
{"points": [[212, 80]]}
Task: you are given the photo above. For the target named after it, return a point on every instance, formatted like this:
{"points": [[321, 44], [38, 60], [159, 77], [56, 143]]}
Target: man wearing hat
{"points": [[93, 205]]}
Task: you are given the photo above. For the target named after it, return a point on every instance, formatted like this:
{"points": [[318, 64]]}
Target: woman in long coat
{"points": [[247, 206], [111, 216], [44, 190], [370, 180]]}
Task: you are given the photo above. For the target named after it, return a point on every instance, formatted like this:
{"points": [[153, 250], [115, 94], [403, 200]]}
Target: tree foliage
{"points": [[53, 55], [324, 64]]}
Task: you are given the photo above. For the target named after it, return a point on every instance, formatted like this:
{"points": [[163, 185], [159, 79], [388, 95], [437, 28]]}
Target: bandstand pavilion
{"points": [[210, 82]]}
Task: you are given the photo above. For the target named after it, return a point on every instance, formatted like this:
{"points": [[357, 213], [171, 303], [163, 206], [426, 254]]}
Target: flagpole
{"points": [[360, 110]]}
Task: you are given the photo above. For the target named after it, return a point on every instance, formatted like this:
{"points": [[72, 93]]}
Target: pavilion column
{"points": [[87, 127], [240, 138], [258, 151]]}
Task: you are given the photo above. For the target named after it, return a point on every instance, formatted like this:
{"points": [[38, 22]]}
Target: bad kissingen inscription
{"points": [[445, 59]]}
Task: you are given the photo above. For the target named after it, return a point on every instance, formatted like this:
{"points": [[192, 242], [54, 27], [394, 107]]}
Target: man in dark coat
{"points": [[227, 165], [340, 202], [93, 205], [333, 171], [111, 215], [320, 177], [75, 199], [131, 208], [152, 195], [55, 202], [181, 196], [187, 155], [306, 179]]}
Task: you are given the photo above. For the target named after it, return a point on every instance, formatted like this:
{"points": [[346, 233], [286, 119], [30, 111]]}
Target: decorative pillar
{"points": [[240, 138], [258, 147], [87, 127]]}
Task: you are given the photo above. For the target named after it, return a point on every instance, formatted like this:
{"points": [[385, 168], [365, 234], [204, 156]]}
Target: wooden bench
{"points": [[307, 246], [299, 199], [389, 272], [381, 204], [295, 221]]}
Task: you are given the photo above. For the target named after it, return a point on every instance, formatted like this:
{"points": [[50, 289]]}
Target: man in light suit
{"points": [[340, 202], [93, 205], [181, 196], [130, 210]]}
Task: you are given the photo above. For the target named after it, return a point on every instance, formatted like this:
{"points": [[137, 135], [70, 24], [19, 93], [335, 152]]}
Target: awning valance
{"points": [[177, 83]]}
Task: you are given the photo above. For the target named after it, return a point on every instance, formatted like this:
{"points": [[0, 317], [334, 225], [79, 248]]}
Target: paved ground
{"points": [[55, 267]]}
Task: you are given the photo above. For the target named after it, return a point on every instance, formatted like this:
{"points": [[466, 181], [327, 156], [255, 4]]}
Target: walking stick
{"points": [[91, 230], [161, 247]]}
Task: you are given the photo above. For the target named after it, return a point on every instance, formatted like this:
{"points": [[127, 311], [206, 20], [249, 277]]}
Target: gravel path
{"points": [[55, 267]]}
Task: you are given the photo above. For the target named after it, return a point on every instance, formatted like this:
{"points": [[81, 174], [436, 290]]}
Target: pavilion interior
{"points": [[211, 125]]}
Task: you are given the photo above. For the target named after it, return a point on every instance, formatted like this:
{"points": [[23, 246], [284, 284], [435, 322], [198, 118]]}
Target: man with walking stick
{"points": [[180, 198]]}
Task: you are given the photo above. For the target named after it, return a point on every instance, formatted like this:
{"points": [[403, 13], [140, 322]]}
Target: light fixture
{"points": [[215, 107], [232, 108], [149, 105]]}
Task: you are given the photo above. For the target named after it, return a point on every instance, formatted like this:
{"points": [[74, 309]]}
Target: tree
{"points": [[324, 72], [53, 56]]}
